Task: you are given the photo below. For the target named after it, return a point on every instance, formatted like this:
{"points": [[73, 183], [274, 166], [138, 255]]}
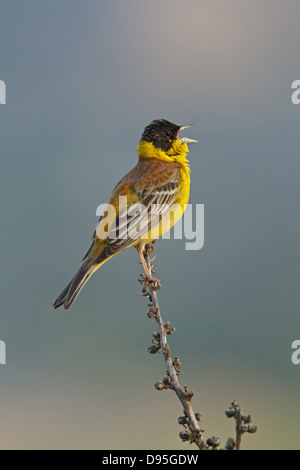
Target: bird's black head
{"points": [[161, 133]]}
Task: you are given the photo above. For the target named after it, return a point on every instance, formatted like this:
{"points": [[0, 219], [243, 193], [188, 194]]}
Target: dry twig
{"points": [[190, 421]]}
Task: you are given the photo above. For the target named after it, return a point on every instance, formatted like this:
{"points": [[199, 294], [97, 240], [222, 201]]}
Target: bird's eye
{"points": [[168, 133]]}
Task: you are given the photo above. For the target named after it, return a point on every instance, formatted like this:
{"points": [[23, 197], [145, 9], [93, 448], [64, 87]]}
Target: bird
{"points": [[159, 182]]}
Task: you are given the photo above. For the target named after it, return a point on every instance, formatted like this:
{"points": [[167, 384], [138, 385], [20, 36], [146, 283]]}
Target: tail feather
{"points": [[61, 298], [69, 294]]}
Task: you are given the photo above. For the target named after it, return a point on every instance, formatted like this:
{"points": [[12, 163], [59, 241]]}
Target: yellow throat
{"points": [[177, 153]]}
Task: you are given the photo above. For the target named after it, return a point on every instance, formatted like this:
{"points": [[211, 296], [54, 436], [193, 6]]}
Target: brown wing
{"points": [[155, 200]]}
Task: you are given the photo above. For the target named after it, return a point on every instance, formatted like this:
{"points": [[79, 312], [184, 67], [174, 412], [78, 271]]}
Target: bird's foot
{"points": [[147, 281]]}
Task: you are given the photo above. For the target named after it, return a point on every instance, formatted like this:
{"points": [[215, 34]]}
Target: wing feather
{"points": [[137, 220]]}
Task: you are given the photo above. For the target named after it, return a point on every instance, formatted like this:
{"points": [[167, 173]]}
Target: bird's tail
{"points": [[69, 294]]}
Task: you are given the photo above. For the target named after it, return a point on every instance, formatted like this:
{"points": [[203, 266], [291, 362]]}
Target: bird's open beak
{"points": [[186, 140]]}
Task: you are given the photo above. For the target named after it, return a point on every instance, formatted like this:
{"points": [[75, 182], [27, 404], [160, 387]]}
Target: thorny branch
{"points": [[190, 421]]}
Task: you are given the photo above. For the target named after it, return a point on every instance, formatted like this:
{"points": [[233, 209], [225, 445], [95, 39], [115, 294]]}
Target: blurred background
{"points": [[83, 79]]}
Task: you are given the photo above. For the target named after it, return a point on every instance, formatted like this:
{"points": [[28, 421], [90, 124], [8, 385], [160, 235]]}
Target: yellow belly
{"points": [[173, 216]]}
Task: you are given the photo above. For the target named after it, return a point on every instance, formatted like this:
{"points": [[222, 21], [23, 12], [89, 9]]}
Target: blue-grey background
{"points": [[83, 79]]}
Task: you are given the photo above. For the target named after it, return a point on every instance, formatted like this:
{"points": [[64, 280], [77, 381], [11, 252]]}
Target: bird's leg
{"points": [[148, 277]]}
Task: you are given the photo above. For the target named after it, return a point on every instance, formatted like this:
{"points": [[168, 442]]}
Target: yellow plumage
{"points": [[160, 182]]}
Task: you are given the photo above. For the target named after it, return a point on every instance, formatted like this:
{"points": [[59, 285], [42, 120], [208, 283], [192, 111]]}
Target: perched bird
{"points": [[146, 203]]}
